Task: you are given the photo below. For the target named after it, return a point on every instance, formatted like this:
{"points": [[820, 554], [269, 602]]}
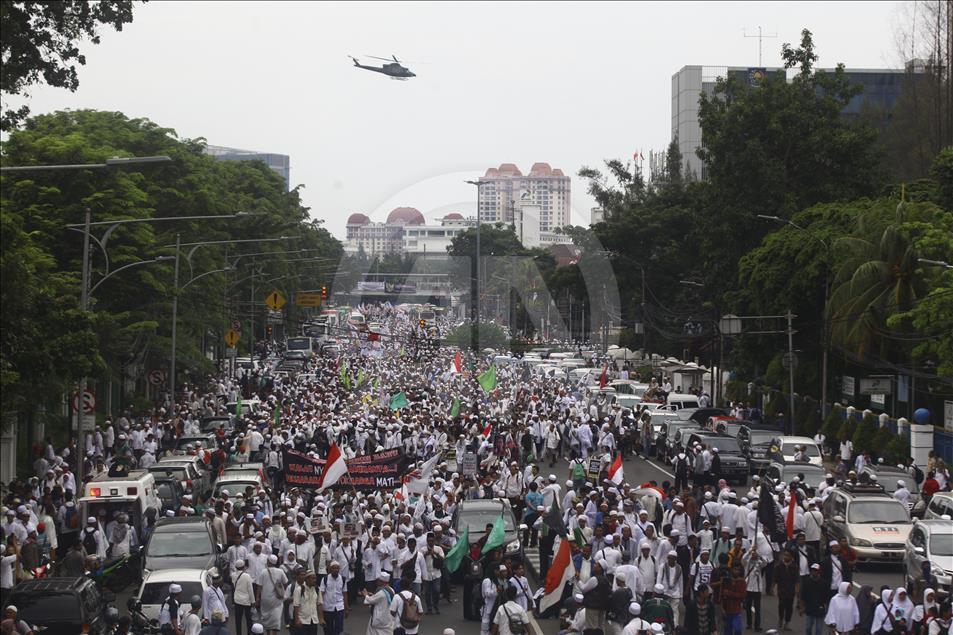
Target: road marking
{"points": [[657, 467]]}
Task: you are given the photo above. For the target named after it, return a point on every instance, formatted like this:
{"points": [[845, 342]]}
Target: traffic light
{"points": [[324, 292], [268, 330]]}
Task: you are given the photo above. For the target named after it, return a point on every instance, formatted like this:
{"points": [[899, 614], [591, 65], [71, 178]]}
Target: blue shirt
{"points": [[533, 500]]}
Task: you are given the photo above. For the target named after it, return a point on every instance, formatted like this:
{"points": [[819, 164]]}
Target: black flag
{"points": [[768, 514]]}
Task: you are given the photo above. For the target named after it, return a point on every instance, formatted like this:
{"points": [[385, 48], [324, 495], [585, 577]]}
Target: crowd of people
{"points": [[695, 555]]}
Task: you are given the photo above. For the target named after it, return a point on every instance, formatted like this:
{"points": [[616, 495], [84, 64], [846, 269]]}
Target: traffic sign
{"points": [[308, 300], [237, 325], [88, 402], [156, 377], [275, 300], [232, 337], [789, 360]]}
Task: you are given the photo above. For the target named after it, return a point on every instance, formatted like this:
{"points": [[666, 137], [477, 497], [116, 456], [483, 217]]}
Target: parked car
{"points": [[155, 588], [211, 424], [811, 475], [755, 444], [182, 542], [170, 491], [875, 524], [667, 437], [940, 505], [887, 476], [236, 484], [930, 541], [783, 449], [188, 469], [734, 465], [61, 606]]}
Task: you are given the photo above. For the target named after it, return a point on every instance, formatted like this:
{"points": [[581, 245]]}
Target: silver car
{"points": [[930, 541], [941, 504]]}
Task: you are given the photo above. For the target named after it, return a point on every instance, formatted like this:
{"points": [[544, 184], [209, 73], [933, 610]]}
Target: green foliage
{"points": [[776, 404], [864, 433], [804, 408], [942, 172], [897, 449], [41, 43], [813, 422], [832, 423], [846, 430], [879, 441], [737, 390], [46, 343], [489, 336]]}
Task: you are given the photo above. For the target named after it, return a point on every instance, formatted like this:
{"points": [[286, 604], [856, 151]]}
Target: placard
{"points": [[367, 472], [847, 386], [594, 468], [469, 466]]}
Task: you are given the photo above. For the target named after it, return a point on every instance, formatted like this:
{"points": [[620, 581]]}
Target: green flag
{"points": [[455, 556], [238, 406], [578, 537], [398, 401], [360, 378], [276, 415], [488, 379], [497, 536], [455, 408]]}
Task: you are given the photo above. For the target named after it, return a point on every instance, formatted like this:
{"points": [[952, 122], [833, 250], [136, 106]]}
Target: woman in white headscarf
{"points": [[843, 614], [923, 610], [882, 621], [901, 609]]}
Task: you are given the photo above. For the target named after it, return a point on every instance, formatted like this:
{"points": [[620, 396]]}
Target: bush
{"points": [[833, 422], [803, 410], [880, 442], [776, 404], [490, 336], [813, 423], [897, 449], [846, 430], [737, 390], [863, 435]]}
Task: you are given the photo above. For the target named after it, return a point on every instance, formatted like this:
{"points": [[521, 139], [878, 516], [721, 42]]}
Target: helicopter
{"points": [[394, 69]]}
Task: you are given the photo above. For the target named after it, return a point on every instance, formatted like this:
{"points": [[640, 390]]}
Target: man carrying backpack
{"points": [[406, 608], [510, 618]]}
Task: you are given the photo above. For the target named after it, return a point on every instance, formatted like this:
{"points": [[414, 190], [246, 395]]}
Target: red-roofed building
{"points": [[545, 186]]}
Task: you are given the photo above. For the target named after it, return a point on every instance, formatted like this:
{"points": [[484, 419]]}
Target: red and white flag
{"points": [[604, 377], [457, 365], [334, 468], [487, 430], [615, 470], [789, 523], [560, 572]]}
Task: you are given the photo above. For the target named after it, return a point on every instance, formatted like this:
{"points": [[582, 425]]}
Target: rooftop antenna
{"points": [[760, 37]]}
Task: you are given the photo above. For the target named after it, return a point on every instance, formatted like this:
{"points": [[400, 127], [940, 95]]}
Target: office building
{"points": [[404, 232], [881, 88], [280, 163], [501, 188]]}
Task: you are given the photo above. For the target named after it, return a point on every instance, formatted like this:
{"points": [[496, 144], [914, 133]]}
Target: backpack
{"points": [[89, 543], [578, 471], [409, 614], [517, 627]]}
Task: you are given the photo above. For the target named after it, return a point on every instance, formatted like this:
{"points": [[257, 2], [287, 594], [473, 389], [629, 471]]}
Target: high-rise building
{"points": [[280, 163], [503, 187], [881, 88]]}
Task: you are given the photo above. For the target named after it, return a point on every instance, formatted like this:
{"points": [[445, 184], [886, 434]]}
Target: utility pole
{"points": [[84, 307], [790, 330], [760, 37], [175, 314]]}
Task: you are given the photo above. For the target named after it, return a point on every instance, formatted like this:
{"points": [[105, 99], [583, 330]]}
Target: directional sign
{"points": [[88, 402], [237, 325], [232, 337], [308, 300], [156, 377], [275, 300]]}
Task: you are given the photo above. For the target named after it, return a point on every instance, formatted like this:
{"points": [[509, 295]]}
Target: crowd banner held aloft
{"points": [[367, 472]]}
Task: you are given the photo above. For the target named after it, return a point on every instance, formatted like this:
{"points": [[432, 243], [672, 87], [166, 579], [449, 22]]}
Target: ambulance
{"points": [[132, 494]]}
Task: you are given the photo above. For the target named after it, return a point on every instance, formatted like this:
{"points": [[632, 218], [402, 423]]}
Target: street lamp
{"points": [[825, 322], [935, 263], [114, 162], [475, 286], [123, 268]]}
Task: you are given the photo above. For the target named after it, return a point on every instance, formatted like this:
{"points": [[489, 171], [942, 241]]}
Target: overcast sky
{"points": [[566, 83]]}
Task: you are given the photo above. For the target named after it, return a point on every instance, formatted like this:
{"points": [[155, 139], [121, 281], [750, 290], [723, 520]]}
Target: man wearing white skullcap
{"points": [[381, 622], [169, 610]]}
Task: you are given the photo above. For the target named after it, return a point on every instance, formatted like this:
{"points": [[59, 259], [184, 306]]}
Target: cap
{"points": [[502, 567], [175, 588], [815, 566], [257, 629], [10, 607], [635, 608], [609, 539], [384, 576], [239, 564], [659, 588]]}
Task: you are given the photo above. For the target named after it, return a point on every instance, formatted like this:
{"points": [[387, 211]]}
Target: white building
{"points": [[596, 215], [500, 188], [404, 232]]}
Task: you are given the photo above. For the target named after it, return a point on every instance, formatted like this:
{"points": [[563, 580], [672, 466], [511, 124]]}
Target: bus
{"points": [[305, 344]]}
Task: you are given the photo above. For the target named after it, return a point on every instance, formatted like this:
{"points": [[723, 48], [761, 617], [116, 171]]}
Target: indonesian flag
{"points": [[615, 470], [334, 468], [560, 573], [419, 481], [604, 377], [789, 523], [487, 430], [457, 365]]}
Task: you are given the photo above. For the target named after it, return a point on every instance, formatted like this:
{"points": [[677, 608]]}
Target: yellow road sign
{"points": [[308, 300], [275, 300], [232, 337]]}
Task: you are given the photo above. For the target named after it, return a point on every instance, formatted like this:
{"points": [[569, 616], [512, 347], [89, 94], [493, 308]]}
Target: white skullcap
{"points": [[175, 588], [635, 608]]}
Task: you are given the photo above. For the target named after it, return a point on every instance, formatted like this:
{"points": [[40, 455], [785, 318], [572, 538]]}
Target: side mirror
{"points": [[919, 551], [838, 519]]}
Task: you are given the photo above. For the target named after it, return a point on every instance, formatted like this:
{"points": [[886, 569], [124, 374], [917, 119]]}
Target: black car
{"points": [[61, 606], [170, 492], [666, 437], [734, 465], [183, 542], [755, 442]]}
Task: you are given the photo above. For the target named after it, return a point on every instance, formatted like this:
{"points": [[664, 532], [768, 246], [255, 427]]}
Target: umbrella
{"points": [[645, 488]]}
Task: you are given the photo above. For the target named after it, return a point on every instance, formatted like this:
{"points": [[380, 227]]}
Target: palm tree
{"points": [[876, 280]]}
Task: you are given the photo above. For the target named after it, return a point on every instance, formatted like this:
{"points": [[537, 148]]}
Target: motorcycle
{"points": [[117, 573], [141, 625]]}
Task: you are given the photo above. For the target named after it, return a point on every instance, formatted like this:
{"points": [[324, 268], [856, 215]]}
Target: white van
{"points": [[131, 494], [679, 401]]}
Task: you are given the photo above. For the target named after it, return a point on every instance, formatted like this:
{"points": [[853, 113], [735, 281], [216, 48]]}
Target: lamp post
{"points": [[825, 322], [475, 285], [175, 290]]}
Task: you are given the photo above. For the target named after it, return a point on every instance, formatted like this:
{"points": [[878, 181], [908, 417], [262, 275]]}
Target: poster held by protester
{"points": [[365, 473]]}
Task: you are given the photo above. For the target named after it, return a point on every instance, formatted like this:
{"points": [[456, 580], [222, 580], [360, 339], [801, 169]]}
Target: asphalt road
{"points": [[637, 470]]}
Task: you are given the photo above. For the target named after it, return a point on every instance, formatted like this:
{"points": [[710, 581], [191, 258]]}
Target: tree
{"points": [[41, 43], [864, 433]]}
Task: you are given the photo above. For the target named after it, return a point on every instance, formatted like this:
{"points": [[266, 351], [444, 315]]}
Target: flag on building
{"points": [[455, 555], [334, 468], [497, 535], [487, 380], [561, 571], [615, 470]]}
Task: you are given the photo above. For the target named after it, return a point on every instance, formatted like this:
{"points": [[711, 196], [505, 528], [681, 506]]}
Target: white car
{"points": [[785, 447], [155, 588]]}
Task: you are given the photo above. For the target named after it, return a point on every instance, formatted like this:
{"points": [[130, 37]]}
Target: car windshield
{"points": [[43, 607], [177, 472], [477, 520], [164, 490], [813, 478], [810, 448], [157, 592], [941, 545], [171, 544], [729, 446], [760, 437], [877, 511], [890, 483], [235, 487]]}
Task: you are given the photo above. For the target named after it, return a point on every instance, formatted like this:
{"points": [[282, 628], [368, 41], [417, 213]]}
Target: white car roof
{"points": [[796, 440], [175, 575]]}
